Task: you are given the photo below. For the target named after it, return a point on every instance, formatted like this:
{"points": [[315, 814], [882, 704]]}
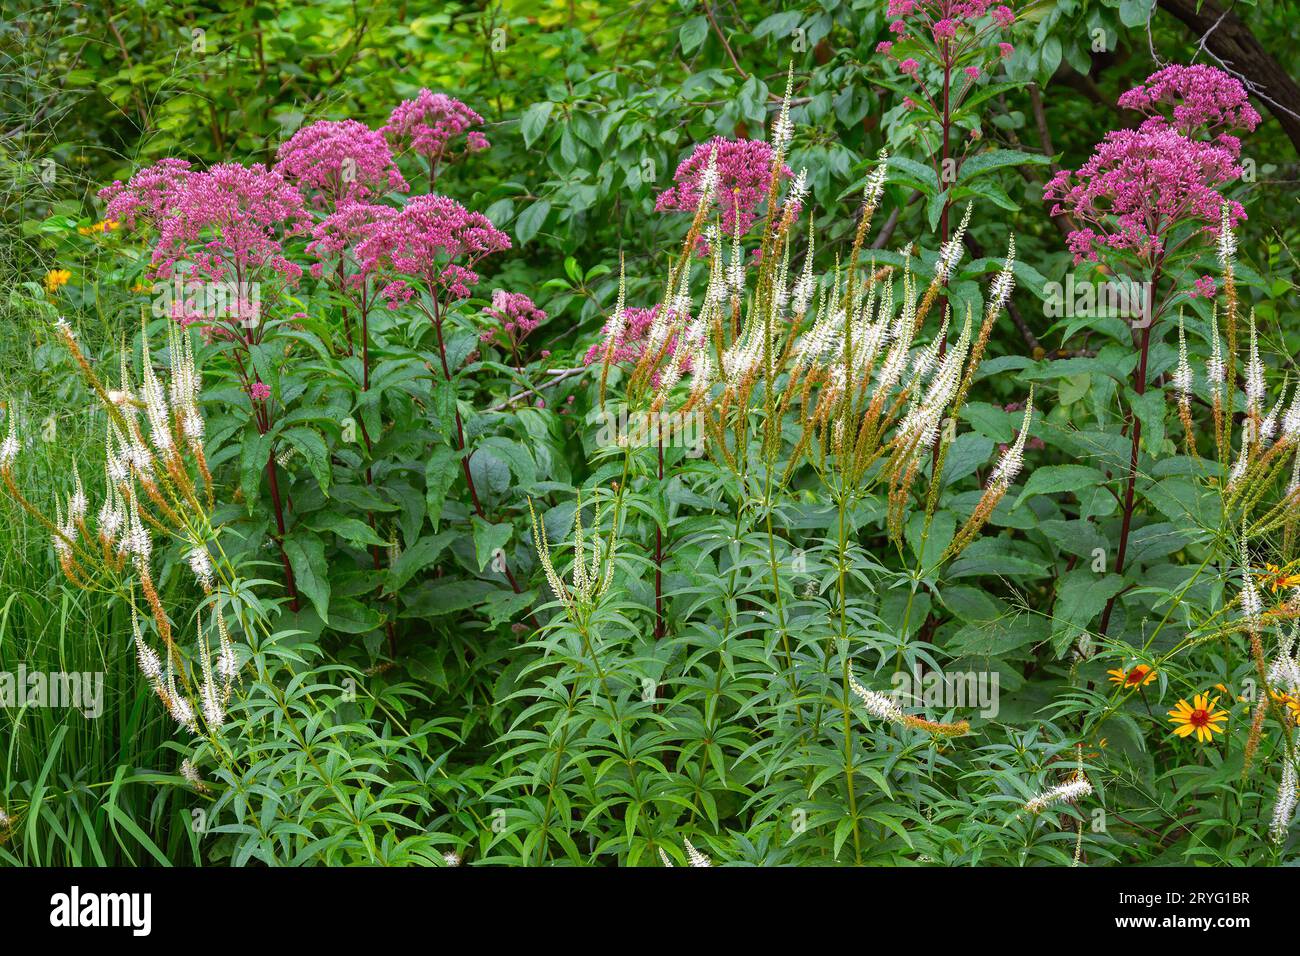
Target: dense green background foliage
{"points": [[437, 716]]}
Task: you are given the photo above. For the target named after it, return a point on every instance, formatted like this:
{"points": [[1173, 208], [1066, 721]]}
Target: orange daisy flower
{"points": [[1201, 717], [1139, 676], [1277, 579]]}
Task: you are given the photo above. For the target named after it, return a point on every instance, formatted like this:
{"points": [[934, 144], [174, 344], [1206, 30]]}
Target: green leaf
{"points": [[986, 189], [692, 34], [310, 571], [416, 558], [1134, 13], [1080, 598], [445, 596], [914, 174], [1150, 411], [998, 636], [531, 220], [504, 606], [439, 474], [353, 530], [984, 93], [489, 540], [1051, 479], [982, 163], [352, 617], [252, 463], [534, 120], [311, 446]]}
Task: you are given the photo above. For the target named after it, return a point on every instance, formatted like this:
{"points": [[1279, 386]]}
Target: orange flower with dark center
{"points": [[1277, 579], [1201, 717], [1292, 704], [1139, 676]]}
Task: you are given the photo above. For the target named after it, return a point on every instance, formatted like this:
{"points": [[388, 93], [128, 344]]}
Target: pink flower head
{"points": [[259, 391], [228, 221], [1203, 287], [744, 167], [339, 159], [336, 236], [429, 123], [901, 8], [397, 292], [884, 46], [1199, 99], [1004, 16], [630, 344], [898, 26], [972, 71], [516, 316], [909, 66], [1138, 186], [149, 194], [944, 29], [434, 239], [1005, 50]]}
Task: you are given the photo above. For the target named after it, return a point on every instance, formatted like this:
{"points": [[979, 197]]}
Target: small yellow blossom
{"points": [[106, 225], [55, 279]]}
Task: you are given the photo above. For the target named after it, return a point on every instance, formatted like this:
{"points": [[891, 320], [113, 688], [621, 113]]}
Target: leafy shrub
{"points": [[765, 571]]}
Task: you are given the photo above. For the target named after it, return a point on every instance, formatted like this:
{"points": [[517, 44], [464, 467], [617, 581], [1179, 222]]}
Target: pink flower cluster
{"points": [[339, 159], [1140, 185], [429, 123], [335, 236], [1201, 100], [743, 166], [149, 194], [434, 239], [231, 222], [239, 216], [516, 316]]}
